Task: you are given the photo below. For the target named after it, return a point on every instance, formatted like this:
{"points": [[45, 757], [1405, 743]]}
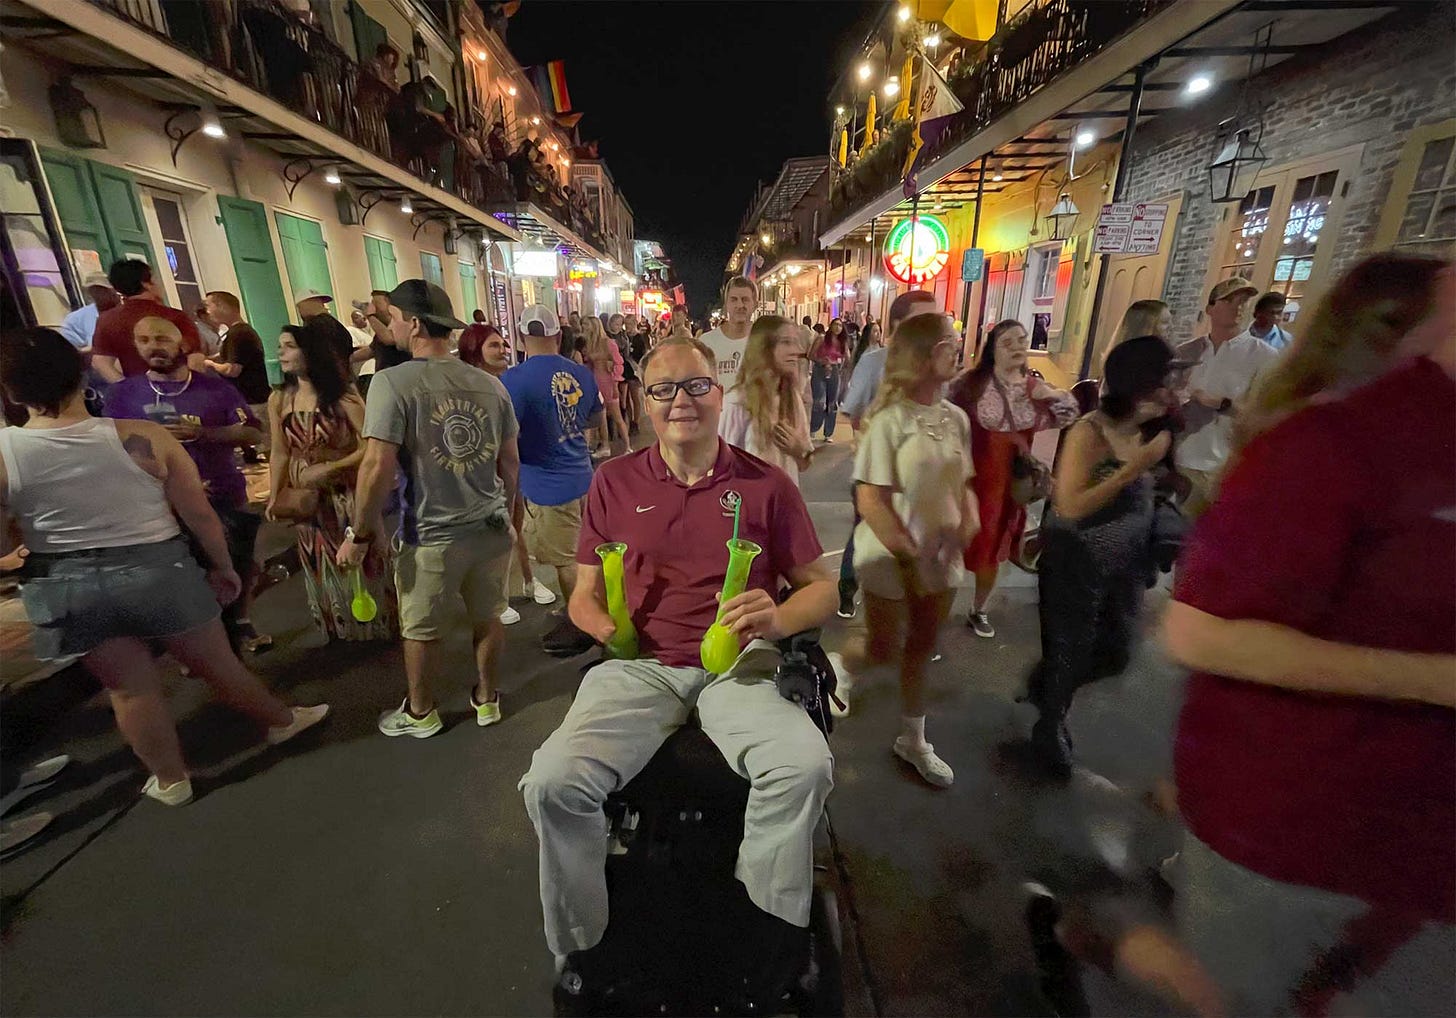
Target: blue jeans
{"points": [[824, 383]]}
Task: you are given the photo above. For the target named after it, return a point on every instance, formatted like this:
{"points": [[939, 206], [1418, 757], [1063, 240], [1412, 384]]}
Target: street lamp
{"points": [[1063, 217], [903, 14], [865, 70], [892, 86], [1232, 173]]}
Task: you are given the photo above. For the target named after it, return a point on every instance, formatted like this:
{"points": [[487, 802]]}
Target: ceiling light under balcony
{"points": [[839, 111], [903, 14], [1086, 138], [405, 206], [536, 121], [765, 238], [331, 176], [1198, 84], [510, 90], [933, 40], [481, 55], [892, 86], [865, 70], [997, 177], [212, 123], [555, 147]]}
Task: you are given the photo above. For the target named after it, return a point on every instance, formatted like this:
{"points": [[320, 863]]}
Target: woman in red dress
{"points": [[1007, 406]]}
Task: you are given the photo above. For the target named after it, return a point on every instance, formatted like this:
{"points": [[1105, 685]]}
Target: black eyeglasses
{"points": [[666, 392]]}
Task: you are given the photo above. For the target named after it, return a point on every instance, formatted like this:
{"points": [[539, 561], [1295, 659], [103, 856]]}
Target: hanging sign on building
{"points": [[582, 268], [627, 299], [973, 264], [917, 249], [1130, 228], [502, 308]]}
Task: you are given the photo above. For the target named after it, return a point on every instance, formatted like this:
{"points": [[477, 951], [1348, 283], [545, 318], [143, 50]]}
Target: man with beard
{"points": [[210, 417]]}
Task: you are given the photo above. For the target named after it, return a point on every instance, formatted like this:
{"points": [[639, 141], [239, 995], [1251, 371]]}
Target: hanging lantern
{"points": [[77, 122], [1062, 219], [1233, 171]]}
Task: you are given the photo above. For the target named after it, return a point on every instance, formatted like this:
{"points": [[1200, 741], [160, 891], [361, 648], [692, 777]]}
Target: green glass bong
{"points": [[623, 644]]}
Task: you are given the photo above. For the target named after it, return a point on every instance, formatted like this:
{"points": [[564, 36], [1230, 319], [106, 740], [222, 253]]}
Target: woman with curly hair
{"points": [[763, 413]]}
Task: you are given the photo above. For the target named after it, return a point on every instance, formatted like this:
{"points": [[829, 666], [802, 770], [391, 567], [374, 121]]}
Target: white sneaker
{"points": [[303, 717], [846, 684], [488, 713], [542, 594], [401, 722], [179, 794], [932, 768], [510, 616]]}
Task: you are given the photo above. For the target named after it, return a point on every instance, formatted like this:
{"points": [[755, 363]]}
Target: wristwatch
{"points": [[350, 535]]}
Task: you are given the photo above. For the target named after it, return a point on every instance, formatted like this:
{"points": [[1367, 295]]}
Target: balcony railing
{"points": [[272, 49], [1041, 44]]}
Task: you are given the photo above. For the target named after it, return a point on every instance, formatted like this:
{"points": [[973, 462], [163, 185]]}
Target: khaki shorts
{"points": [[551, 531], [433, 578]]}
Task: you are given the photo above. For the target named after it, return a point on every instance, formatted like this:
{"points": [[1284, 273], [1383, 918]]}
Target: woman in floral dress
{"points": [[315, 420]]}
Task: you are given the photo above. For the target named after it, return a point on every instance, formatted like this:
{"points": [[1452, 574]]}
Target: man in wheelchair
{"points": [[673, 505]]}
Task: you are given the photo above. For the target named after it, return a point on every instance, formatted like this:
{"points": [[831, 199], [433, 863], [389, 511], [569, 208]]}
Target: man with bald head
{"points": [[210, 417], [673, 504]]}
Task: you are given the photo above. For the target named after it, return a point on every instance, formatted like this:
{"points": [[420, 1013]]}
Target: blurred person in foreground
{"points": [[1315, 606], [101, 582]]}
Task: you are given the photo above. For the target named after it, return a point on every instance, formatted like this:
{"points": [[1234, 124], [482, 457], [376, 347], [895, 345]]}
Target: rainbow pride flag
{"points": [[550, 82]]}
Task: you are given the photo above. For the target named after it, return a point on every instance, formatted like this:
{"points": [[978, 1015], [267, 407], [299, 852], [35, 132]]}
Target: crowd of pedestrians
{"points": [[468, 472]]}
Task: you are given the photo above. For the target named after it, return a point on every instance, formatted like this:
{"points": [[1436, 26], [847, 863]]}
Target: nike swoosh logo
{"points": [[646, 508]]}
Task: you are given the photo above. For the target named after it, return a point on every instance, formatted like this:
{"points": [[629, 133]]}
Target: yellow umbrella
{"points": [[869, 130], [902, 111], [843, 147]]}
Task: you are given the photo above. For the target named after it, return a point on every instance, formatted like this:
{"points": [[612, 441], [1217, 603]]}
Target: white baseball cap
{"points": [[545, 320], [314, 295]]}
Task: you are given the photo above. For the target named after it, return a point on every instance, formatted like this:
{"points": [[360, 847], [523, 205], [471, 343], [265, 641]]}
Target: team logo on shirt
{"points": [[730, 500], [566, 390], [463, 431]]}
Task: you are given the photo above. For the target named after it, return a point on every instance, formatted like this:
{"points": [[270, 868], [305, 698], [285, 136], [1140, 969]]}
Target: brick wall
{"points": [[1370, 87]]}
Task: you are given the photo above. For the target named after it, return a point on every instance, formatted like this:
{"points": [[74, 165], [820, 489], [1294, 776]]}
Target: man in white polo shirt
{"points": [[1224, 365]]}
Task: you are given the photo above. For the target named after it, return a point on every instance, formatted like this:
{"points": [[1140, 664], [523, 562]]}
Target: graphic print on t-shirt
{"points": [[566, 390], [460, 444]]}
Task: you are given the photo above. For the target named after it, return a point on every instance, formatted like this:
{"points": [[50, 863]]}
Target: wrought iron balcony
{"points": [[1043, 43], [269, 47]]}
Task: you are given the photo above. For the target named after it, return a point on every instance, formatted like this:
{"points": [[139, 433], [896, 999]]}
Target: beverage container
{"points": [[623, 644], [720, 646]]}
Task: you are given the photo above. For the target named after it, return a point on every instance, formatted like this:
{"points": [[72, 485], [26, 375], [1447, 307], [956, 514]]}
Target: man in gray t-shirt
{"points": [[450, 429]]}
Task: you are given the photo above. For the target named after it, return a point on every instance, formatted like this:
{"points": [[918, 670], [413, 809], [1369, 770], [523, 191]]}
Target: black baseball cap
{"points": [[418, 298]]}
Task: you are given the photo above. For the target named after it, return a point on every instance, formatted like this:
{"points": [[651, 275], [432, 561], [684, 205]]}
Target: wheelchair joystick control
{"points": [[623, 644], [720, 646]]}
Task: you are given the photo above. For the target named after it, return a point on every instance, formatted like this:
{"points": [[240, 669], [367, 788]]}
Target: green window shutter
{"points": [[264, 306], [468, 293], [368, 34], [383, 274], [305, 255], [121, 212], [75, 198], [431, 268]]}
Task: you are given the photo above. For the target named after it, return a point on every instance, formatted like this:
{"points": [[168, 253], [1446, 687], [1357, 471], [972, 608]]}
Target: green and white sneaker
{"points": [[488, 713], [177, 794], [401, 722]]}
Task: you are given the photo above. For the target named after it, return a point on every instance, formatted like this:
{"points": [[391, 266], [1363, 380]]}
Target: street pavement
{"points": [[350, 874]]}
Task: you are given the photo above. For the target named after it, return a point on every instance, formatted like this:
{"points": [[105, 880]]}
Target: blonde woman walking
{"points": [[912, 488], [763, 413]]}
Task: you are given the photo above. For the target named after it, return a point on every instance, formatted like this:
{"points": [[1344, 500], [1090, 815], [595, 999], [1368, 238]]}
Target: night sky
{"points": [[694, 102]]}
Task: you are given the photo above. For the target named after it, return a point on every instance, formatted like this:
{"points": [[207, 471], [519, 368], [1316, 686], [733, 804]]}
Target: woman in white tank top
{"points": [[99, 504]]}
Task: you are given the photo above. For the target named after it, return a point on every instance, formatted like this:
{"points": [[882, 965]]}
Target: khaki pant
{"points": [[621, 716], [433, 578], [551, 531]]}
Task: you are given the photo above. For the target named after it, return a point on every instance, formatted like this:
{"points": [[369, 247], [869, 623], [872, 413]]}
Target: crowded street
{"points": [[361, 875], [847, 507]]}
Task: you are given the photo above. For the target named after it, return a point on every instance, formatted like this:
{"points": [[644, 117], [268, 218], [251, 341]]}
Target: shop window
{"points": [[1046, 273], [1421, 214], [1307, 213], [1247, 233], [1274, 236]]}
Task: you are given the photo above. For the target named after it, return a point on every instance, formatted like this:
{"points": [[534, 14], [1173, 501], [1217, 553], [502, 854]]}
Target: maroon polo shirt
{"points": [[676, 536], [1341, 523], [113, 336]]}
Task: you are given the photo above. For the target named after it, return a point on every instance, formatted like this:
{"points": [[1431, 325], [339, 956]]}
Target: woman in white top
{"points": [[108, 568], [912, 488], [763, 413]]}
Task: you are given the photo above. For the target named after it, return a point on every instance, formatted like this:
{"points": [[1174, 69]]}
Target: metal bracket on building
{"points": [[421, 218], [370, 197], [298, 169], [175, 132]]}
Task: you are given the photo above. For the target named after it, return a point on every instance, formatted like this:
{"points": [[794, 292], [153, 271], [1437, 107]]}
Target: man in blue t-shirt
{"points": [[555, 400]]}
